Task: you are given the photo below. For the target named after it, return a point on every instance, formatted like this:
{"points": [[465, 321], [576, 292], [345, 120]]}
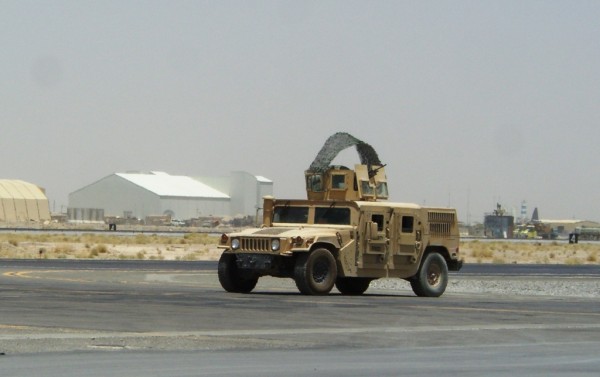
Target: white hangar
{"points": [[139, 195]]}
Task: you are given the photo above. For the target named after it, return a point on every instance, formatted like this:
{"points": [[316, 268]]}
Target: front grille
{"points": [[256, 244]]}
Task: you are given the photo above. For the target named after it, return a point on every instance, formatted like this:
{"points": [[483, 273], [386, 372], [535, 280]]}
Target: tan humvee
{"points": [[343, 236]]}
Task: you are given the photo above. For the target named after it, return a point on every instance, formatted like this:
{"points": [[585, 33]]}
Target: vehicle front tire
{"points": [[315, 273], [432, 278], [352, 286], [231, 279]]}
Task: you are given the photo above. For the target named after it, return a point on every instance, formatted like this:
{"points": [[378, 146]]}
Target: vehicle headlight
{"points": [[275, 244], [235, 244]]}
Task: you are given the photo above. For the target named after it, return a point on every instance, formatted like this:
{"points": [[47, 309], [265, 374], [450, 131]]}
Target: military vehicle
{"points": [[587, 233], [344, 234]]}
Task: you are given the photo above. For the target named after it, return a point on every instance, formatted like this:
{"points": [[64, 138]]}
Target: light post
{"points": [[256, 216]]}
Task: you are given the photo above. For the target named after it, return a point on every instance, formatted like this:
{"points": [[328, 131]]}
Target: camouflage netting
{"points": [[337, 143]]}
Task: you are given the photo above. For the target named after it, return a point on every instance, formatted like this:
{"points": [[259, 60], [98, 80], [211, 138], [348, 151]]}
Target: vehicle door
{"points": [[409, 232], [375, 242]]}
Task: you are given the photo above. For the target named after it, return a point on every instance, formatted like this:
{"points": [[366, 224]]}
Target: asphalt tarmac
{"points": [[146, 318]]}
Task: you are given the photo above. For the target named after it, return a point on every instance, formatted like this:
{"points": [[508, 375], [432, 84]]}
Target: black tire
{"points": [[352, 286], [231, 279], [315, 273], [432, 278]]}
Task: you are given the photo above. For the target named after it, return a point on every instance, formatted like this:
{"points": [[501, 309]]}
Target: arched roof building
{"points": [[139, 195], [22, 201]]}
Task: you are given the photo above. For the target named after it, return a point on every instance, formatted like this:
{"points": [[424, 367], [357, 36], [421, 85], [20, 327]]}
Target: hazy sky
{"points": [[469, 103]]}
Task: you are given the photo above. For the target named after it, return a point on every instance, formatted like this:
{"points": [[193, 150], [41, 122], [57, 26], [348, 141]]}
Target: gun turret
{"points": [[326, 182], [340, 183]]}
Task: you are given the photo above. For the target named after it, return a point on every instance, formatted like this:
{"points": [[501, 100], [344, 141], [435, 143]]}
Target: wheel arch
{"points": [[437, 249], [325, 245]]}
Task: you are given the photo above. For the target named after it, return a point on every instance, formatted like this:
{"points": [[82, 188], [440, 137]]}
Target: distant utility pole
{"points": [[468, 206], [256, 216]]}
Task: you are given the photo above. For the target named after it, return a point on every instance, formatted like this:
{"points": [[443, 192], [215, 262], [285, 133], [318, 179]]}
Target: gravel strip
{"points": [[571, 287]]}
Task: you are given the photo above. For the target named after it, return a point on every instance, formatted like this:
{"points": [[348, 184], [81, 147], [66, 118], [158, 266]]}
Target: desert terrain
{"points": [[198, 246]]}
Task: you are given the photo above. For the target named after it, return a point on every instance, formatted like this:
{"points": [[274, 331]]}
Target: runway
{"points": [[151, 313]]}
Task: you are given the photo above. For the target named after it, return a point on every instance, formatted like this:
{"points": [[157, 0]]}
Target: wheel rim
{"points": [[434, 274], [320, 271]]}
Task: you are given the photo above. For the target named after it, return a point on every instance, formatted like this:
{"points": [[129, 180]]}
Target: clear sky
{"points": [[469, 103]]}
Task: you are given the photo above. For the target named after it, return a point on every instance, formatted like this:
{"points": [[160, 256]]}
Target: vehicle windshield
{"points": [[330, 215], [382, 190], [314, 182], [322, 215], [289, 214]]}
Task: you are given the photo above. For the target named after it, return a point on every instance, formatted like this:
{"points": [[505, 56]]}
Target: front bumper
{"points": [[265, 264]]}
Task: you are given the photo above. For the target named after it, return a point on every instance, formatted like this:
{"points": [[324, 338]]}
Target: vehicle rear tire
{"points": [[315, 273], [231, 279], [432, 278], [352, 286]]}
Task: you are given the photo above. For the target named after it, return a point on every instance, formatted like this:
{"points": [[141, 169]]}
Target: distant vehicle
{"points": [[590, 234], [343, 235], [526, 232], [176, 222], [210, 223]]}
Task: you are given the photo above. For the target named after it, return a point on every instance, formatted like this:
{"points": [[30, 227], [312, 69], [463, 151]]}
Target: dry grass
{"points": [[192, 246], [197, 246], [555, 252]]}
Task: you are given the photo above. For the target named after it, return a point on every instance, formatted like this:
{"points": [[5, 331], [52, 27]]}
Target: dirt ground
{"points": [[204, 247], [93, 246], [540, 252]]}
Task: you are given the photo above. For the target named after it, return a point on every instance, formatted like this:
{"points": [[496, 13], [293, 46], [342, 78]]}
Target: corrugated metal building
{"points": [[564, 227], [22, 201], [138, 195]]}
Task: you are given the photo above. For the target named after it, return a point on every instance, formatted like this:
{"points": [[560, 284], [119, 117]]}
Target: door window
{"points": [[379, 220], [408, 224], [338, 182]]}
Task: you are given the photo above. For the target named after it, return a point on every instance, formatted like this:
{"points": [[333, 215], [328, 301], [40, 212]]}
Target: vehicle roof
{"points": [[359, 204], [402, 205], [362, 204]]}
